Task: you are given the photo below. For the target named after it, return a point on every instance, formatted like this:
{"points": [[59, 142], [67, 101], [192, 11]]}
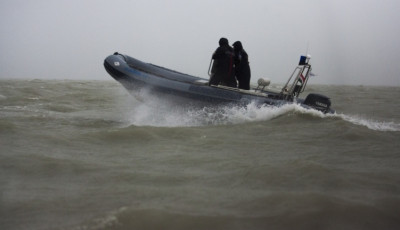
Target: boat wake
{"points": [[369, 123], [164, 113], [161, 114]]}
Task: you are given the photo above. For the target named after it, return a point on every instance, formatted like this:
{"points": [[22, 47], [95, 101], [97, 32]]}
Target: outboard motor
{"points": [[318, 102]]}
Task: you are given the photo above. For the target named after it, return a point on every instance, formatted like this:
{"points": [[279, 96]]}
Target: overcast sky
{"points": [[352, 42]]}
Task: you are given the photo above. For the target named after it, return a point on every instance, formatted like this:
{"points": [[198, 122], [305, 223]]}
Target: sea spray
{"points": [[161, 113]]}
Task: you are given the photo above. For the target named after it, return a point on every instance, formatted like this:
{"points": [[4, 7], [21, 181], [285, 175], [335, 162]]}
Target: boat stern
{"points": [[319, 102]]}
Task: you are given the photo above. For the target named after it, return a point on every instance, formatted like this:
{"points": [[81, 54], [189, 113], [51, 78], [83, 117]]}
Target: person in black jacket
{"points": [[242, 66], [222, 72]]}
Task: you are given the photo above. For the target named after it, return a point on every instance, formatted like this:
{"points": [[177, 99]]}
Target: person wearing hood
{"points": [[242, 66], [222, 72]]}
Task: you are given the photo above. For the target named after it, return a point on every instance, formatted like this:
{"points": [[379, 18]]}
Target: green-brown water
{"points": [[87, 155]]}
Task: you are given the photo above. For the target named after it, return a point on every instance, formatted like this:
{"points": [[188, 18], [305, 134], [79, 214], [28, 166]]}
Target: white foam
{"points": [[371, 124], [354, 119], [152, 111], [161, 114], [106, 222]]}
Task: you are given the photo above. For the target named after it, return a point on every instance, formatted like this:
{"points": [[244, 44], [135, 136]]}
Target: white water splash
{"points": [[157, 112], [162, 114]]}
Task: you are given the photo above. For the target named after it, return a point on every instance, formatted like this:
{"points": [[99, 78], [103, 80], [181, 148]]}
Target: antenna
{"points": [[308, 44]]}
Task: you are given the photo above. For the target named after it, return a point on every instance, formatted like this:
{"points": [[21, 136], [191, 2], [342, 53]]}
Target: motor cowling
{"points": [[318, 101]]}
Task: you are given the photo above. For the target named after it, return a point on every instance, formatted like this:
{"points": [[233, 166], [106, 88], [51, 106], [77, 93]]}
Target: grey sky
{"points": [[351, 41]]}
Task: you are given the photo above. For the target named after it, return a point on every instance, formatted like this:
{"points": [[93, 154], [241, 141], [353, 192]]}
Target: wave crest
{"points": [[164, 113], [370, 123], [169, 115]]}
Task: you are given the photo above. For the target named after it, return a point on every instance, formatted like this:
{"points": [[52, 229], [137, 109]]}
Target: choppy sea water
{"points": [[87, 155]]}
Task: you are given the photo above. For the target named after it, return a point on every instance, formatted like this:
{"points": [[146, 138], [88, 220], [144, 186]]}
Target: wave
{"points": [[370, 123], [161, 114], [274, 211], [169, 115], [69, 100]]}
